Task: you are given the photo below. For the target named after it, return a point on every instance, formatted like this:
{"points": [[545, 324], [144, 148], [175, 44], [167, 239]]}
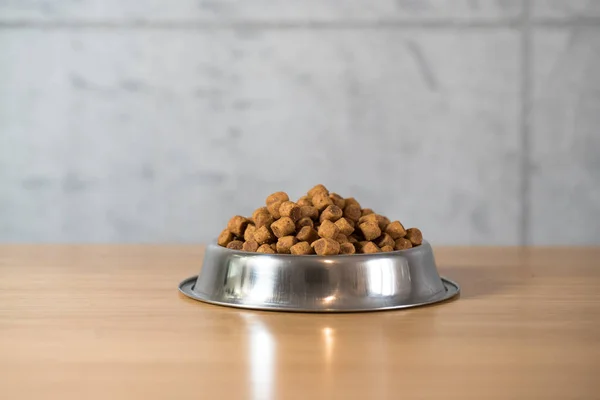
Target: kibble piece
{"points": [[360, 244], [307, 234], [344, 226], [259, 210], [347, 248], [237, 225], [249, 232], [274, 209], [250, 245], [263, 219], [351, 200], [290, 209], [332, 213], [306, 221], [337, 200], [224, 238], [309, 211], [235, 245], [385, 240], [277, 196], [285, 243], [265, 248], [415, 236], [326, 247], [367, 211], [352, 212], [317, 189], [341, 238], [263, 235], [370, 230], [301, 248], [382, 221], [395, 230], [328, 230], [368, 217], [274, 247], [370, 247], [402, 244], [304, 201], [387, 248], [352, 239], [321, 200], [283, 227]]}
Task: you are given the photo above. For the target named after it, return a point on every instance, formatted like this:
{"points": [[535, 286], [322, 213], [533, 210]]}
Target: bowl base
{"points": [[187, 288]]}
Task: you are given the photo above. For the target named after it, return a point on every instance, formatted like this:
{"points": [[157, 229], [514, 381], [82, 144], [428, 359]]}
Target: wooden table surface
{"points": [[107, 322]]}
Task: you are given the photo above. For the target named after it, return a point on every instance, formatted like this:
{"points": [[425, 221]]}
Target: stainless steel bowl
{"points": [[342, 283]]}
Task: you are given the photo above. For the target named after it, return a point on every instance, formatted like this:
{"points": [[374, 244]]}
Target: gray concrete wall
{"points": [[154, 121]]}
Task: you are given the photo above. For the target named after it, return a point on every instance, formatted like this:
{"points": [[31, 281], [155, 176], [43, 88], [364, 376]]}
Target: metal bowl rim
{"points": [[366, 255]]}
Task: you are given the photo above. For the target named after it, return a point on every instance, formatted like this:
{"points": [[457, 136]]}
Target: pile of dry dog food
{"points": [[320, 222]]}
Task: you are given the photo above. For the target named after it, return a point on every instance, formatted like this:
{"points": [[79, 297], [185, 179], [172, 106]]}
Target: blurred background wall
{"points": [[155, 121]]}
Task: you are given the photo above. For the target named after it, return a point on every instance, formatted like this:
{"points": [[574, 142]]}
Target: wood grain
{"points": [[107, 322]]}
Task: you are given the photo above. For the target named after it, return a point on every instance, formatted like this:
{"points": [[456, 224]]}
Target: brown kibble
{"points": [[307, 234], [382, 221], [265, 248], [283, 227], [263, 219], [351, 200], [370, 247], [344, 226], [326, 247], [395, 230], [402, 244], [352, 212], [385, 240], [321, 200], [317, 189], [328, 230], [306, 221], [249, 232], [337, 200], [415, 236], [332, 213], [263, 235], [250, 245], [235, 245], [259, 210], [237, 225], [274, 247], [274, 209], [309, 211], [285, 243], [277, 196], [290, 209], [367, 211], [368, 217], [387, 248], [301, 248], [360, 244], [341, 238], [352, 239], [304, 201], [347, 248], [370, 230], [224, 238]]}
